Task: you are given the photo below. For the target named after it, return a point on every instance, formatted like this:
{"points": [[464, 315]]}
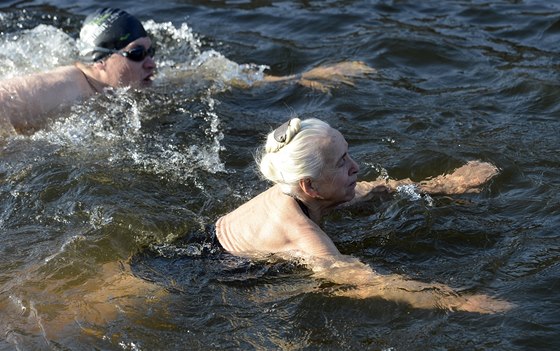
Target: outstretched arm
{"points": [[357, 280], [465, 179], [324, 78], [365, 283], [217, 68]]}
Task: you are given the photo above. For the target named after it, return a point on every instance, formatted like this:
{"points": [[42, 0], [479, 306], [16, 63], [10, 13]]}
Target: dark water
{"points": [[97, 209]]}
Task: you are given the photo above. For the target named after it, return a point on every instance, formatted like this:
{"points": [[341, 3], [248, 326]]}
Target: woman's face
{"points": [[122, 71], [337, 183]]}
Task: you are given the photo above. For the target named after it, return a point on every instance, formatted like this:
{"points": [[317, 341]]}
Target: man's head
{"points": [[107, 30], [119, 46]]}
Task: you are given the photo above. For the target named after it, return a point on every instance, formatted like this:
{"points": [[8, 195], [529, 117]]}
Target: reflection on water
{"points": [[97, 207]]}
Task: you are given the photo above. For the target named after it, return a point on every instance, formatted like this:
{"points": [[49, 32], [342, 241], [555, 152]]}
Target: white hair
{"points": [[293, 152]]}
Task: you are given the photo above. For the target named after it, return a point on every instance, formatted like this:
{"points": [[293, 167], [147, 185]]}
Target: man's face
{"points": [[122, 71]]}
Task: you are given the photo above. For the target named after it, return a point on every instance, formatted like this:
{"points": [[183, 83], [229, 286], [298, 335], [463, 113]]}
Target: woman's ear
{"points": [[309, 188]]}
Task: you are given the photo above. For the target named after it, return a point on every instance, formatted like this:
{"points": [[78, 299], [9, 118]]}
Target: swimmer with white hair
{"points": [[118, 53], [313, 173]]}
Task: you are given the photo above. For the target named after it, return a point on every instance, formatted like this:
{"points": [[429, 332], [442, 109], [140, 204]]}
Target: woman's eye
{"points": [[342, 162]]}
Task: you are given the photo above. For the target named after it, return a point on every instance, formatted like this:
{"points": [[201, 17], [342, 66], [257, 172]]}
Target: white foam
{"points": [[412, 192], [35, 50], [110, 126]]}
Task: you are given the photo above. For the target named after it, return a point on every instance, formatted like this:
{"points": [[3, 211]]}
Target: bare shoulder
{"points": [[63, 73], [272, 223], [312, 241], [25, 101]]}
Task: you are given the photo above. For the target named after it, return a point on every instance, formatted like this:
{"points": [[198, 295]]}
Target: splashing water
{"points": [[412, 192], [226, 72], [41, 48], [106, 118], [114, 121], [180, 56], [176, 44], [109, 127]]}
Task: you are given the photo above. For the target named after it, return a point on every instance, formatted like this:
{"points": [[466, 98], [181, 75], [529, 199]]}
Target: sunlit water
{"points": [[97, 209]]}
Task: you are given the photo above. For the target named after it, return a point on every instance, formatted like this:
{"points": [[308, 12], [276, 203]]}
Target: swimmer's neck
{"points": [[92, 77]]}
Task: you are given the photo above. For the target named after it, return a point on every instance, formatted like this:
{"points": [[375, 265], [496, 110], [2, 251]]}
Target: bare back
{"points": [[272, 223]]}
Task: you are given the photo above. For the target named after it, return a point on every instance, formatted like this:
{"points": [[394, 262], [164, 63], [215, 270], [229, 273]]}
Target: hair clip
{"points": [[280, 132]]}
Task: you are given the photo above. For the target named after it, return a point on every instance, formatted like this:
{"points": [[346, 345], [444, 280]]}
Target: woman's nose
{"points": [[354, 168]]}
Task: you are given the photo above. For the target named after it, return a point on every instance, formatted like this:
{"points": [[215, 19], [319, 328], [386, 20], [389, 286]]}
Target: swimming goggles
{"points": [[137, 53]]}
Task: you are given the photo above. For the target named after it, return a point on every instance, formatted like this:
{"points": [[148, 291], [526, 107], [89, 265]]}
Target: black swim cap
{"points": [[111, 29]]}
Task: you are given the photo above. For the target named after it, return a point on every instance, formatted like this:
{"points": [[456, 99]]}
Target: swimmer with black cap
{"points": [[116, 52], [107, 31], [119, 47]]}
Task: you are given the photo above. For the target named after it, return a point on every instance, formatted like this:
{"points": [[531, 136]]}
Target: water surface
{"points": [[97, 208]]}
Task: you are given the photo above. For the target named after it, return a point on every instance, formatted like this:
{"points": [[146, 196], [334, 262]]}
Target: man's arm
{"points": [[214, 67], [324, 78], [26, 101]]}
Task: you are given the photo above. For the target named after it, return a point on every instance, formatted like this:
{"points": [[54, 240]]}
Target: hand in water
{"points": [[465, 179], [424, 295], [324, 78], [485, 304]]}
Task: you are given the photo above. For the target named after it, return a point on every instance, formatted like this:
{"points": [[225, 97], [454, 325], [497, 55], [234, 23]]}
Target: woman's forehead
{"points": [[337, 139], [334, 146]]}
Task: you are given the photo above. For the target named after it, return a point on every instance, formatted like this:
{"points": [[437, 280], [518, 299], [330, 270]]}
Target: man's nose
{"points": [[149, 62]]}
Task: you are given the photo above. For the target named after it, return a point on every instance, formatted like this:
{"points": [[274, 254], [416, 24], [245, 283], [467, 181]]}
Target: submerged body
{"points": [[27, 102], [285, 220], [122, 56]]}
